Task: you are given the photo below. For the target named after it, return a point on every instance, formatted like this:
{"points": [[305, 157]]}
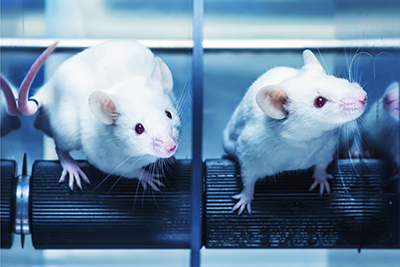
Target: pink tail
{"points": [[11, 105], [24, 106]]}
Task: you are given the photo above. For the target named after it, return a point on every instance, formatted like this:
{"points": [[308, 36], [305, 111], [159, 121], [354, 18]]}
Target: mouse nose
{"points": [[354, 103], [165, 147], [363, 100], [171, 149]]}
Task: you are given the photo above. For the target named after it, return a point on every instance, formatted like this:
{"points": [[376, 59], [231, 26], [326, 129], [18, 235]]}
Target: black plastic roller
{"points": [[111, 213], [362, 210], [8, 180]]}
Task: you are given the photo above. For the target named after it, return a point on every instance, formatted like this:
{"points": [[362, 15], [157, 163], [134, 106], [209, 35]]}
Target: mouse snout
{"points": [[354, 103], [165, 148]]}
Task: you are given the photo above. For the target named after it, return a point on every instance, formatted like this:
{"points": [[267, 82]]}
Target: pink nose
{"points": [[171, 149], [354, 103], [168, 146], [363, 100]]}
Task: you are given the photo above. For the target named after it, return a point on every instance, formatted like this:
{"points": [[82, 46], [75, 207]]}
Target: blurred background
{"points": [[227, 75]]}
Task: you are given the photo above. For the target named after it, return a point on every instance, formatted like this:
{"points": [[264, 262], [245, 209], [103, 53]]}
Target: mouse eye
{"points": [[169, 115], [320, 101], [139, 128]]}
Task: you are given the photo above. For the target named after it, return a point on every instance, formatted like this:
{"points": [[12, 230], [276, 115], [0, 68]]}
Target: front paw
{"points": [[73, 170], [245, 199], [153, 180], [322, 181]]}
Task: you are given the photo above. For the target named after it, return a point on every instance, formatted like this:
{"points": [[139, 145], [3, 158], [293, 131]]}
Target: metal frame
{"points": [[197, 129], [209, 44]]}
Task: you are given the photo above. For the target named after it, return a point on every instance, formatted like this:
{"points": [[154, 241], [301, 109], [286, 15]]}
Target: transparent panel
{"points": [[231, 67]]}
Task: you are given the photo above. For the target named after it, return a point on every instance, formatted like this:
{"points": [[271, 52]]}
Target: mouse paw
{"points": [[244, 202], [73, 170], [322, 181], [149, 179]]}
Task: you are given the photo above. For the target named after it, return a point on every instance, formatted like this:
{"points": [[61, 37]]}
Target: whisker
{"points": [[114, 184], [152, 174], [323, 61], [353, 62], [136, 193], [112, 172]]}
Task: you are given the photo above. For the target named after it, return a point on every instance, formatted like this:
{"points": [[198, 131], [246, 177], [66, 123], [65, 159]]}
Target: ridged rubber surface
{"points": [[361, 211], [8, 168], [123, 216]]}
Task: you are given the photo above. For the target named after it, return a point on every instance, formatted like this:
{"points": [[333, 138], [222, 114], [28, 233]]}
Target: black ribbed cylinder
{"points": [[117, 213], [8, 180], [360, 212]]}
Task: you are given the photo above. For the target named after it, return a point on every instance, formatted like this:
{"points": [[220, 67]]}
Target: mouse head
{"points": [[391, 100], [313, 96], [141, 113]]}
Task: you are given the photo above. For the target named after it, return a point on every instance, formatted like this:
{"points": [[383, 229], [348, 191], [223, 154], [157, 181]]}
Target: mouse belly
{"points": [[271, 162], [289, 162]]}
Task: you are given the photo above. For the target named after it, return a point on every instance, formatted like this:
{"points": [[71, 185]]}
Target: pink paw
{"points": [[322, 181], [244, 201], [73, 169], [148, 179]]}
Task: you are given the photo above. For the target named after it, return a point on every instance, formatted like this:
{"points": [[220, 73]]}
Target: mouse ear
{"points": [[271, 99], [162, 74], [310, 60], [103, 107]]}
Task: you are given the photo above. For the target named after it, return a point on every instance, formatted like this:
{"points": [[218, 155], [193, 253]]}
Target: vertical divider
{"points": [[197, 166]]}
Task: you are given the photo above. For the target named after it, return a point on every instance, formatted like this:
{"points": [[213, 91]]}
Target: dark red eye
{"points": [[139, 128], [320, 102], [169, 115]]}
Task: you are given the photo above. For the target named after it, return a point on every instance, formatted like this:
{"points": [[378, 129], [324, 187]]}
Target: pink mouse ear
{"points": [[271, 99], [102, 107], [162, 74]]}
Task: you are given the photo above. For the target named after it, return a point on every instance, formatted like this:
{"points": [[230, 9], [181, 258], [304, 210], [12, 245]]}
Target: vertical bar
{"points": [[197, 166]]}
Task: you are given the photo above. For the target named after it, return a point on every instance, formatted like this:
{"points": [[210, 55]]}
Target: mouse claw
{"points": [[63, 176], [313, 185], [321, 189]]}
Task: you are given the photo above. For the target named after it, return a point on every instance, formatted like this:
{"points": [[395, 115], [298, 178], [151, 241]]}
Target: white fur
{"points": [[307, 137], [125, 71]]}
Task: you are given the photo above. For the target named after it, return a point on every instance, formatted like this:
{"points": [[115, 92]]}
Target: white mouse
{"points": [[289, 119], [113, 101], [380, 127]]}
